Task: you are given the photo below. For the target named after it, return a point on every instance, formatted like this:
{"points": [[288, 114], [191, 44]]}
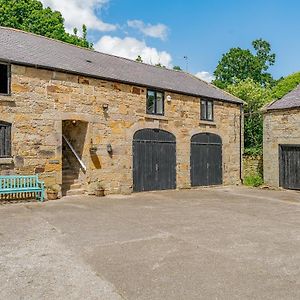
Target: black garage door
{"points": [[154, 160], [206, 159], [289, 166]]}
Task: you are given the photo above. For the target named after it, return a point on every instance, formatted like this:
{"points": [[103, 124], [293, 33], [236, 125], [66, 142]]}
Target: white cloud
{"points": [[206, 76], [78, 12], [157, 31], [130, 48]]}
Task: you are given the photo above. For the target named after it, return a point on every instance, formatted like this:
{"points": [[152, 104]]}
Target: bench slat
{"points": [[24, 190]]}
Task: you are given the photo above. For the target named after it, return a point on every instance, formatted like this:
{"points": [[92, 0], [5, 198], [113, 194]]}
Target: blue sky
{"points": [[166, 31]]}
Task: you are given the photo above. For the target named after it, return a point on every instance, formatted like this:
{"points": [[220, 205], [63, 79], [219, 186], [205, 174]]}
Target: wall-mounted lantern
{"points": [[169, 98], [93, 148], [105, 107], [109, 148]]}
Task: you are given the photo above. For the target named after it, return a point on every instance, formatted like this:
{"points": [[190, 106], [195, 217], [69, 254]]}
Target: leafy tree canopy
{"points": [[177, 68], [240, 64], [255, 97], [139, 59], [31, 16], [285, 85], [160, 65]]}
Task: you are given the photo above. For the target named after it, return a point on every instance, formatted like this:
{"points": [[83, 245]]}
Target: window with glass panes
{"points": [[207, 110], [155, 102], [5, 139], [4, 79]]}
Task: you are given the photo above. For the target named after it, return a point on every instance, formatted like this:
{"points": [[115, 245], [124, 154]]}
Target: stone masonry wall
{"points": [[253, 166], [42, 99], [280, 127]]}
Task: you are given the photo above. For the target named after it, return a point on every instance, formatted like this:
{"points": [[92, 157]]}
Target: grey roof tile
{"points": [[290, 100], [30, 49]]}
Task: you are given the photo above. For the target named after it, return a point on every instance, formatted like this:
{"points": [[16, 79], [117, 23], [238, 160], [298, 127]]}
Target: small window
{"points": [[4, 79], [5, 139], [207, 110], [155, 103]]}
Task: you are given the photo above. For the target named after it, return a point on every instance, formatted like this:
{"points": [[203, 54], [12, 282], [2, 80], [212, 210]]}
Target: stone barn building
{"points": [[75, 116], [282, 142]]}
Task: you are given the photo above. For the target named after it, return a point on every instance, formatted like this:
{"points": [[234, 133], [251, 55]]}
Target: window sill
{"points": [[211, 123], [154, 117], [6, 160], [6, 98]]}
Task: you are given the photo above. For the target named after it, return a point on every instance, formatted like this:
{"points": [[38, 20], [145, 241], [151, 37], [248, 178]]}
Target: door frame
{"points": [[281, 168], [170, 138], [207, 143]]}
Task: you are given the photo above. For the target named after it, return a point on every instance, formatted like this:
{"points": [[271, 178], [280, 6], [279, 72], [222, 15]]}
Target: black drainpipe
{"points": [[241, 154]]}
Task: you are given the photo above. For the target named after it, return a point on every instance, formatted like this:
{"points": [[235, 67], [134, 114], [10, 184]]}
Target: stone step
{"points": [[68, 181], [75, 192], [75, 186], [68, 176], [66, 169], [69, 171], [66, 165]]}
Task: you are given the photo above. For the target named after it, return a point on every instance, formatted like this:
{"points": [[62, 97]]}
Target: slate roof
{"points": [[25, 48], [290, 100]]}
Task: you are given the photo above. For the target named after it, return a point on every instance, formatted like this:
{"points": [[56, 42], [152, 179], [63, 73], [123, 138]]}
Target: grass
{"points": [[253, 180]]}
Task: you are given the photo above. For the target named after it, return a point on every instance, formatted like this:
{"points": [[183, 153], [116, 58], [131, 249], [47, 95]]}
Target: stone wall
{"points": [[253, 166], [280, 127], [42, 99]]}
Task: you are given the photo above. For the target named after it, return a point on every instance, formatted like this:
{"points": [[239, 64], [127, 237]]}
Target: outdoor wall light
{"points": [[105, 106], [169, 98], [93, 148], [74, 122], [109, 148]]}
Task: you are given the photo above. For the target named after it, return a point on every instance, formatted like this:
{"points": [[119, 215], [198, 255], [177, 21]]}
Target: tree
{"points": [[239, 64], [177, 68], [255, 97], [285, 85], [139, 59], [31, 16], [160, 65]]}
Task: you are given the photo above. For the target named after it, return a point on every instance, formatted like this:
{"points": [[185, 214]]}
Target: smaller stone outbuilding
{"points": [[282, 142]]}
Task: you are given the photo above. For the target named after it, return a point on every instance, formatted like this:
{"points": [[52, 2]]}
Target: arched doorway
{"points": [[154, 160], [206, 159]]}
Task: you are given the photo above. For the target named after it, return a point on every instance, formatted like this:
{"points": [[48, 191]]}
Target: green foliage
{"points": [[160, 65], [253, 151], [177, 68], [53, 188], [139, 59], [263, 49], [285, 85], [253, 180], [239, 64], [255, 97], [31, 16]]}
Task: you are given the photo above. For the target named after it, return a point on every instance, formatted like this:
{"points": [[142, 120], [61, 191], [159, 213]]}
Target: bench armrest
{"points": [[41, 184]]}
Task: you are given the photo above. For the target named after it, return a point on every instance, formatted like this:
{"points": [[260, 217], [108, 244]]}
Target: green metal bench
{"points": [[19, 185]]}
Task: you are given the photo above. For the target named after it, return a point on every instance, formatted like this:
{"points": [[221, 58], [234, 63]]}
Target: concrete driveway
{"points": [[217, 243]]}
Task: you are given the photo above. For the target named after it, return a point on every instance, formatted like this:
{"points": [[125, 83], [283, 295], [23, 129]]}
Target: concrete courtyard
{"points": [[210, 243]]}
